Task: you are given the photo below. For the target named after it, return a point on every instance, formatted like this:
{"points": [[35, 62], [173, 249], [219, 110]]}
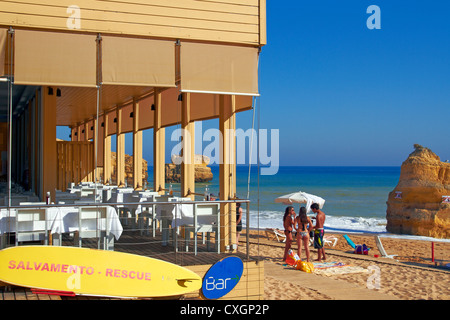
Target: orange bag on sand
{"points": [[292, 258], [290, 261], [305, 266]]}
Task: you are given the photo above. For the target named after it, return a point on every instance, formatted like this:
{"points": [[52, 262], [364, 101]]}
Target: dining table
{"points": [[63, 219], [199, 217]]}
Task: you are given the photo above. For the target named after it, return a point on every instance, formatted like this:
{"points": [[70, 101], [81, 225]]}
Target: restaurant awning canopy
{"points": [[130, 69]]}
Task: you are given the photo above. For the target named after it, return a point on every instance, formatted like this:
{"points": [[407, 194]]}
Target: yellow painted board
{"points": [[137, 18], [233, 21], [94, 272]]}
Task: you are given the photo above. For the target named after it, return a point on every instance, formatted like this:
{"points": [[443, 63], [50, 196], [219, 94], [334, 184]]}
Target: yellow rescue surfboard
{"points": [[94, 272]]}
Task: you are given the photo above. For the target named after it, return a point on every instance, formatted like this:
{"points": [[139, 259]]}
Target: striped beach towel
{"points": [[325, 265]]}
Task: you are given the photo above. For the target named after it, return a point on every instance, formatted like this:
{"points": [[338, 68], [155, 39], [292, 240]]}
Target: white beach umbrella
{"points": [[301, 197]]}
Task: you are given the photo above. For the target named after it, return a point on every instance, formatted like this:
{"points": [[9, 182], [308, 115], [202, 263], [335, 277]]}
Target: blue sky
{"points": [[341, 94]]}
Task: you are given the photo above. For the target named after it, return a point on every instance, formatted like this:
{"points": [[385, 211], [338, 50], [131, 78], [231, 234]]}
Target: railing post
{"points": [[247, 220]]}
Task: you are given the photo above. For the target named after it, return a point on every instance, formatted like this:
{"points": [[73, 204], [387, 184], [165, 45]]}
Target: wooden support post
{"points": [[98, 148], [87, 156], [35, 149], [137, 148], [188, 149], [120, 150], [158, 145], [98, 137], [78, 132], [232, 168], [227, 171], [48, 144], [106, 151]]}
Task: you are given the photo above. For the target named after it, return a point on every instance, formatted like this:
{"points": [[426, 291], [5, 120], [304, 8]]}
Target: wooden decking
{"points": [[131, 241], [174, 251], [19, 293]]}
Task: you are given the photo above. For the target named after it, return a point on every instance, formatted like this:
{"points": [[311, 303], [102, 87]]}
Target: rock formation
{"points": [[417, 205], [128, 169], [202, 171]]}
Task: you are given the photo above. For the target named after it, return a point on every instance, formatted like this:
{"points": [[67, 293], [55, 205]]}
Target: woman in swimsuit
{"points": [[288, 219], [304, 226]]}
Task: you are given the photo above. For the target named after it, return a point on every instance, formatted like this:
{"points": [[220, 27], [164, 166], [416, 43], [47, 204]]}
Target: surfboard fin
{"points": [[182, 282]]}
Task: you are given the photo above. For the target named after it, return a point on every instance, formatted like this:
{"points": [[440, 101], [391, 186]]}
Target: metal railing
{"points": [[137, 227]]}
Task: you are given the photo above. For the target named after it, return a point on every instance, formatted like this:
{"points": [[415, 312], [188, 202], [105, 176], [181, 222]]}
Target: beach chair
{"points": [[272, 233], [357, 248], [381, 249], [330, 240], [350, 242]]}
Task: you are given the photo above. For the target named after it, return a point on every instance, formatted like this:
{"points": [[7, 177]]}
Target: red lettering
{"points": [[54, 268], [28, 266], [37, 266], [21, 265], [73, 269], [12, 264], [119, 273], [64, 268], [90, 270], [45, 267]]}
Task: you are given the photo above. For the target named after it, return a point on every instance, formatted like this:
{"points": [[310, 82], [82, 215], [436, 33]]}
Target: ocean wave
{"points": [[274, 219], [338, 224]]}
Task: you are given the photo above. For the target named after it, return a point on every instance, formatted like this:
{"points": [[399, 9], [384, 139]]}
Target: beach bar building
{"points": [[109, 68]]}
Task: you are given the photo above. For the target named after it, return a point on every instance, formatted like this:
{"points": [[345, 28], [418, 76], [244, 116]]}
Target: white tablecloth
{"points": [[177, 214], [129, 197], [181, 214], [62, 220]]}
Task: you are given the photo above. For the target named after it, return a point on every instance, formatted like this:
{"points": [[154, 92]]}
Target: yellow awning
{"points": [[138, 62], [3, 42], [219, 69], [52, 58]]}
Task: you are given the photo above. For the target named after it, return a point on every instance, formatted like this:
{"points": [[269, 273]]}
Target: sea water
{"points": [[355, 197]]}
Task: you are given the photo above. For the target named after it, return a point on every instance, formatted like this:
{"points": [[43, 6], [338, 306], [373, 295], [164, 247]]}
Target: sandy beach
{"points": [[411, 275]]}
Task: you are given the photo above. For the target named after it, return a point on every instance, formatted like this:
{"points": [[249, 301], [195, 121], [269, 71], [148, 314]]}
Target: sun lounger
{"points": [[349, 241], [330, 240], [357, 248], [381, 249], [272, 233]]}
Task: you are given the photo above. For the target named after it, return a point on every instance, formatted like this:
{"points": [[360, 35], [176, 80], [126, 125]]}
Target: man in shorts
{"points": [[319, 232]]}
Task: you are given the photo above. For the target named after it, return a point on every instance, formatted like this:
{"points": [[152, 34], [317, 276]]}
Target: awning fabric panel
{"points": [[139, 62], [52, 58], [220, 69]]}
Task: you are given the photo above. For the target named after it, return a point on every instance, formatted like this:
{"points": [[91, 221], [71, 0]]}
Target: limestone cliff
{"points": [[128, 169], [416, 206], [202, 171]]}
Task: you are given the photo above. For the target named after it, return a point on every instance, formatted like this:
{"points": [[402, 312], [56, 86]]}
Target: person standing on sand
{"points": [[302, 221], [288, 221], [319, 232]]}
